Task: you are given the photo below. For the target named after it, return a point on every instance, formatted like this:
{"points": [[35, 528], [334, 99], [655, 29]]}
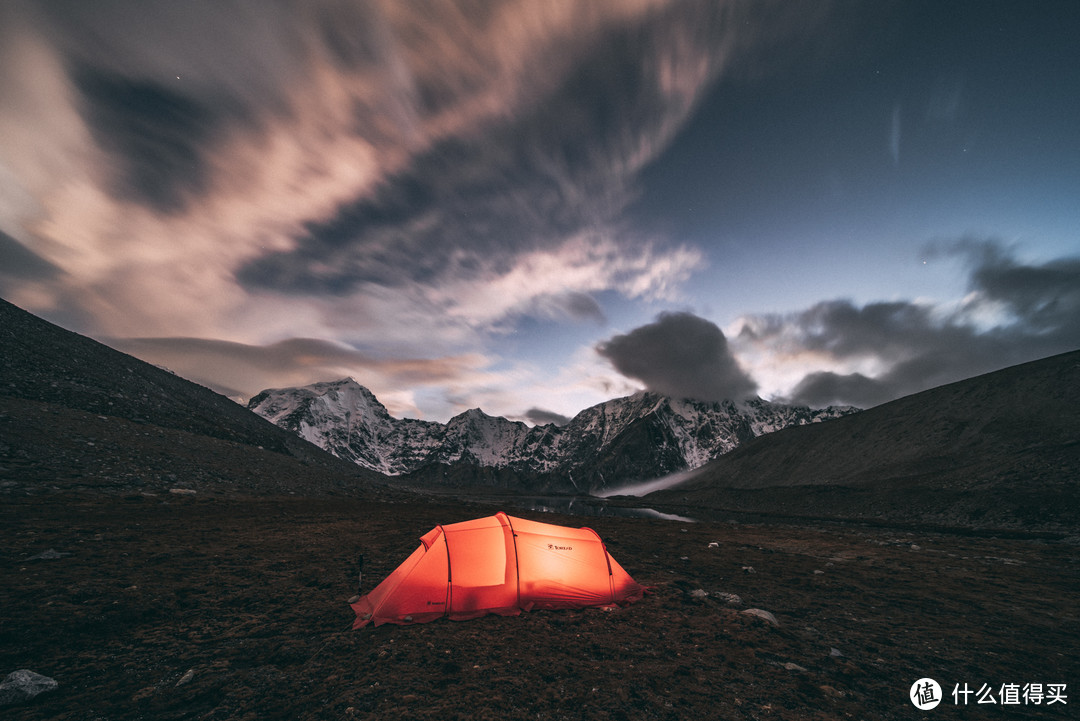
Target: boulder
{"points": [[761, 613], [22, 685]]}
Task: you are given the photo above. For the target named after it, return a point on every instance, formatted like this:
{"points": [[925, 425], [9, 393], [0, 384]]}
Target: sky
{"points": [[533, 207]]}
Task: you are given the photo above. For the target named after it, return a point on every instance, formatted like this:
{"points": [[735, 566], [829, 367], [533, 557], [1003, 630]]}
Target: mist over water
{"points": [[642, 488]]}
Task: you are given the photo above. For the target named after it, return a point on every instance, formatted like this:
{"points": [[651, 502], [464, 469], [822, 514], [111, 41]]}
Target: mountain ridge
{"points": [[621, 440]]}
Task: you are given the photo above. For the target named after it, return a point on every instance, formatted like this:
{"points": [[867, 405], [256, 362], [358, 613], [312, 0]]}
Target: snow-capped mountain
{"points": [[622, 440]]}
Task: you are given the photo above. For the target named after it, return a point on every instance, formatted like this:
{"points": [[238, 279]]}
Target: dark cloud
{"points": [[157, 137], [19, 262], [822, 389], [159, 84], [680, 355], [540, 417], [1035, 312], [934, 365], [1043, 298], [891, 331]]}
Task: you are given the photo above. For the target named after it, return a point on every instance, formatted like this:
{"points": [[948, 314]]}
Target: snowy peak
{"points": [[343, 399], [642, 436], [342, 417], [476, 437]]}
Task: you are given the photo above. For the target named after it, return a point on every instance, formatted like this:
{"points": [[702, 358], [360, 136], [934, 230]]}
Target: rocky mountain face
{"points": [[623, 440]]}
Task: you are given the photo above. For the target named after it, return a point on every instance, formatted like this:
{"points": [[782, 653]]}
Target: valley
{"points": [[170, 555]]}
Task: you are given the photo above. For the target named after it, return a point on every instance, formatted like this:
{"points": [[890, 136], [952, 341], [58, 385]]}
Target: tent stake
{"points": [[359, 579]]}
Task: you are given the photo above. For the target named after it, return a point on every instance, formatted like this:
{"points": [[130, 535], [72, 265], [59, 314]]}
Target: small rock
{"points": [[748, 569], [835, 653], [48, 555], [731, 598], [182, 491], [763, 614], [793, 667], [818, 572], [714, 544], [22, 685], [699, 593], [186, 678]]}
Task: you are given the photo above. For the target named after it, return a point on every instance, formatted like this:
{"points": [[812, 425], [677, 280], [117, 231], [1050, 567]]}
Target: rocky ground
{"points": [[158, 605]]}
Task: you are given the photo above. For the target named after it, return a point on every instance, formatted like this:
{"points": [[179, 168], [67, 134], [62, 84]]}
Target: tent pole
{"points": [[517, 565]]}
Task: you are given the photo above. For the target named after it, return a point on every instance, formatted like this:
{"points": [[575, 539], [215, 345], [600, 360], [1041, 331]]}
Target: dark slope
{"points": [[999, 450], [76, 412]]}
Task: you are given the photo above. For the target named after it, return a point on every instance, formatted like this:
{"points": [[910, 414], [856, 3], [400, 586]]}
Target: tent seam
{"points": [[449, 572], [517, 565]]}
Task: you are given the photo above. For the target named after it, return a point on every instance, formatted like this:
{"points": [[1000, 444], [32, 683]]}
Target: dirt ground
{"points": [[183, 607]]}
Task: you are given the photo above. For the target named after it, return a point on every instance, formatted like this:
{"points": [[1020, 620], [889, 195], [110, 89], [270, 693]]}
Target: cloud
{"points": [[242, 370], [540, 417], [226, 157], [1042, 300], [157, 136], [894, 135], [410, 180], [680, 355], [1013, 312], [17, 261], [557, 282], [554, 169]]}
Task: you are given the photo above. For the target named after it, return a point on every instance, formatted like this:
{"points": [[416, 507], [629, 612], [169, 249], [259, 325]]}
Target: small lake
{"points": [[580, 506]]}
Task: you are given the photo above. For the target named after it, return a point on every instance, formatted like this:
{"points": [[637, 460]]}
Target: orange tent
{"points": [[502, 565]]}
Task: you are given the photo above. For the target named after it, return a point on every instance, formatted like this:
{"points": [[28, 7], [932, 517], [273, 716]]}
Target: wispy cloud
{"points": [[239, 369], [271, 193], [207, 183], [209, 153]]}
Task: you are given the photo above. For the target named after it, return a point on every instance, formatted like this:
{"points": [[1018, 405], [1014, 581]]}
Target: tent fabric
{"points": [[502, 565]]}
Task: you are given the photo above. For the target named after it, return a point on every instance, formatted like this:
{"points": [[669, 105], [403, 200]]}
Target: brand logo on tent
{"points": [[436, 603], [553, 547]]}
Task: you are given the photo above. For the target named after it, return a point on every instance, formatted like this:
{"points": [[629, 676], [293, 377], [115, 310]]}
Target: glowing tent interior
{"points": [[498, 564]]}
